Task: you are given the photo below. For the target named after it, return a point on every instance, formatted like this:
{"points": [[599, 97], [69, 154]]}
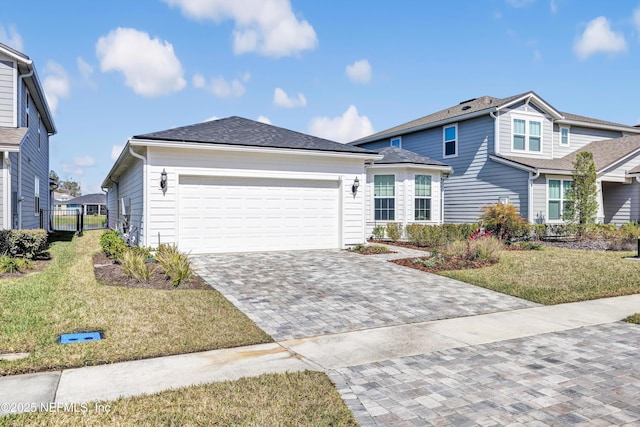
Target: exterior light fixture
{"points": [[356, 184], [163, 179]]}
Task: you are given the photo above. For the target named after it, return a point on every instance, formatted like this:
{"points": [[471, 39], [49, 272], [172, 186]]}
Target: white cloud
{"points": [[150, 66], [198, 81], [267, 27], [224, 89], [345, 128], [520, 3], [599, 38], [56, 84], [359, 71], [86, 71], [77, 167], [281, 99], [115, 151], [554, 6], [263, 119], [212, 118], [11, 37]]}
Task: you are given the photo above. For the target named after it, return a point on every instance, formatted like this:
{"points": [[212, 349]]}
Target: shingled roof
{"points": [[88, 199], [244, 132], [605, 153], [479, 105], [12, 137], [395, 155]]}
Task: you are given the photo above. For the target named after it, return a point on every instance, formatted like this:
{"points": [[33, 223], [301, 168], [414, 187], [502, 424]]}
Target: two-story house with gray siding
{"points": [[521, 150], [25, 126]]}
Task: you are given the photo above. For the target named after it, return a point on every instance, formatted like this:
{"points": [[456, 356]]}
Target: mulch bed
{"points": [[452, 263], [111, 274], [38, 265]]}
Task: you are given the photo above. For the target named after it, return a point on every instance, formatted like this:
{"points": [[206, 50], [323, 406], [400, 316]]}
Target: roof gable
{"points": [[244, 132]]}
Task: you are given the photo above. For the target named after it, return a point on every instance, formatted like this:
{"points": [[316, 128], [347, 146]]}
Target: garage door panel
{"points": [[251, 214]]}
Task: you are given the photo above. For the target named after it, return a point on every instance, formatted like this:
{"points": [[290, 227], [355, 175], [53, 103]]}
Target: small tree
{"points": [[503, 220], [581, 202]]}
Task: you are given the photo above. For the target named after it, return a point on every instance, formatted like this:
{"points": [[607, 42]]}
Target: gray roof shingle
{"points": [[482, 103], [89, 199], [12, 136], [605, 153], [395, 155], [244, 132]]}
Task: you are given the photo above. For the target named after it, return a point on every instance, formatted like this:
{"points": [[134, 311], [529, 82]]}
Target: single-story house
{"points": [[235, 185], [89, 204]]}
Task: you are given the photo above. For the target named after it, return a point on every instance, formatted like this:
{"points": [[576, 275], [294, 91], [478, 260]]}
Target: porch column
{"points": [[600, 213]]}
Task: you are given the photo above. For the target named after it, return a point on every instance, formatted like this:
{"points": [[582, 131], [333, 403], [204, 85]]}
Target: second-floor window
{"points": [[527, 135], [564, 136], [450, 141], [396, 142], [384, 192]]}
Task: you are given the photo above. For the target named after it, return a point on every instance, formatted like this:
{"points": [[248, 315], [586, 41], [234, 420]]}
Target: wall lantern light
{"points": [[356, 184], [163, 179]]}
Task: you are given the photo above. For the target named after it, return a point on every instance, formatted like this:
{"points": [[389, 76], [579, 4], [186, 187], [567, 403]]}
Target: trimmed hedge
{"points": [[26, 243], [438, 235]]}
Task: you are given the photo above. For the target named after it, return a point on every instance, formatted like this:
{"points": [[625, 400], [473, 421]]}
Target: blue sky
{"points": [[113, 69]]}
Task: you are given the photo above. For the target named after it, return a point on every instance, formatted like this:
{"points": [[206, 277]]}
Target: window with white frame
{"points": [[384, 192], [36, 195], [396, 142], [557, 198], [527, 135], [564, 136], [450, 141], [422, 208]]}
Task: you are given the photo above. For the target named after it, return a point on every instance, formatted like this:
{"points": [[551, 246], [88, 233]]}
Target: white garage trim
{"points": [[235, 213]]}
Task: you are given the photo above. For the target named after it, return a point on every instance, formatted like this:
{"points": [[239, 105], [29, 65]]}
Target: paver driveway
{"points": [[584, 376], [297, 294]]}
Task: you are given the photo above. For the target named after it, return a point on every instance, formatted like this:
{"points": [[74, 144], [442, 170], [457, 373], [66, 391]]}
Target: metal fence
{"points": [[71, 220]]}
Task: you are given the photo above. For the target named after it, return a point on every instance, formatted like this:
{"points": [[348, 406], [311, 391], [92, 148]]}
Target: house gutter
{"points": [[496, 130], [598, 126], [6, 179], [145, 207]]}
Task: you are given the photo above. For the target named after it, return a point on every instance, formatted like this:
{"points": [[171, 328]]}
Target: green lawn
{"points": [[555, 276], [293, 399], [138, 323]]}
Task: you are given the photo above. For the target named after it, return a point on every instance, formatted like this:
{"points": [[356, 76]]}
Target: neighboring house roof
{"points": [[244, 132], [11, 138], [89, 199], [25, 67], [481, 106], [605, 154], [395, 155]]}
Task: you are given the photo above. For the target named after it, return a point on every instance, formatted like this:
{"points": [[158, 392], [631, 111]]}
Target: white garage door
{"points": [[219, 214]]}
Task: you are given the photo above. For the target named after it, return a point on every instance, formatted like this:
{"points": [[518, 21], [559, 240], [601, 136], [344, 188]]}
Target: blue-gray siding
{"points": [[6, 93], [579, 137], [529, 111], [621, 202], [476, 181]]}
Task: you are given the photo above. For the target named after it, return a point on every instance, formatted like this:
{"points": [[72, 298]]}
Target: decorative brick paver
{"points": [[586, 376], [297, 294]]}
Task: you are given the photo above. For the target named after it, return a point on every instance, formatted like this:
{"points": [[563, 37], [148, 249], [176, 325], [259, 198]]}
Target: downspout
{"points": [[6, 180], [532, 177], [20, 198], [144, 195], [496, 131]]}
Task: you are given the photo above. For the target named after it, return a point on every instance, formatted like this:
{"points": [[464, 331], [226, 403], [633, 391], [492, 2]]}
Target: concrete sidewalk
{"points": [[328, 352]]}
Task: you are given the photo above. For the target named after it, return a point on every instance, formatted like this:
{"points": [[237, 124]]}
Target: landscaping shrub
{"points": [[433, 236], [5, 241], [28, 243], [174, 263], [9, 264], [394, 231], [112, 244], [485, 249], [504, 221], [378, 232], [134, 264]]}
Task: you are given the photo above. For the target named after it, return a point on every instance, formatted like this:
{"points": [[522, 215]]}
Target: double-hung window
{"points": [[422, 202], [527, 135], [384, 191], [557, 196], [450, 141], [36, 195], [564, 136]]}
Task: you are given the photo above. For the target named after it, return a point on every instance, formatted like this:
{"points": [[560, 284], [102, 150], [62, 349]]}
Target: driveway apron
{"points": [[296, 294]]}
